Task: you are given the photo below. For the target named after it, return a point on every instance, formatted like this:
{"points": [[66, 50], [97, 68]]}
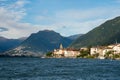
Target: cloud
{"points": [[78, 21], [2, 29], [78, 27], [10, 20], [18, 5], [67, 22], [94, 13]]}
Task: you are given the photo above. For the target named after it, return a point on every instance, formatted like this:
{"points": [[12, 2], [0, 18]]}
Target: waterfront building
{"points": [[70, 53]]}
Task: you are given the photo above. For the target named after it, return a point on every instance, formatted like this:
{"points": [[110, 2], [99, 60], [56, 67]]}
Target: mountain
{"points": [[22, 38], [39, 43], [7, 44], [106, 33], [74, 37]]}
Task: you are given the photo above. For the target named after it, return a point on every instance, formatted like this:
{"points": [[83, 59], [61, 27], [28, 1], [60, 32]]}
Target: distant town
{"points": [[100, 52]]}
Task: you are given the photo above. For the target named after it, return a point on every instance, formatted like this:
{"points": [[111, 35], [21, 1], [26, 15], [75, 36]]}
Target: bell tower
{"points": [[61, 46]]}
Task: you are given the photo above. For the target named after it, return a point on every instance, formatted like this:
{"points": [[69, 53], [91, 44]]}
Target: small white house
{"points": [[93, 51], [71, 53], [84, 48], [116, 49], [96, 50], [107, 50]]}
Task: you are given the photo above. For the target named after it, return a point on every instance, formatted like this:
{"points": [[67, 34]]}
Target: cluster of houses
{"points": [[71, 53], [101, 50]]}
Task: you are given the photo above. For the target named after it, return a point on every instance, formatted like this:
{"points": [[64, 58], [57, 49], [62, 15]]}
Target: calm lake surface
{"points": [[58, 69]]}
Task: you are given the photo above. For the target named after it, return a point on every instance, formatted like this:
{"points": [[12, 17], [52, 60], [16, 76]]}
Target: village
{"points": [[100, 52]]}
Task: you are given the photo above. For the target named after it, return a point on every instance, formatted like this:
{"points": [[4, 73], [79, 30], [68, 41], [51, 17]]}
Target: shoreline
{"points": [[44, 57]]}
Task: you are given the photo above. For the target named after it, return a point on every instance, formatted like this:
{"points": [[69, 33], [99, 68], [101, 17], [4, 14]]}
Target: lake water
{"points": [[58, 69]]}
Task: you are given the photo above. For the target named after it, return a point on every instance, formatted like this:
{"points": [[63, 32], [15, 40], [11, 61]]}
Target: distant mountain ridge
{"points": [[7, 44], [40, 43], [106, 33], [74, 37]]}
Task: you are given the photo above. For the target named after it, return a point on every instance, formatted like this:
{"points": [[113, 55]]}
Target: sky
{"points": [[20, 18]]}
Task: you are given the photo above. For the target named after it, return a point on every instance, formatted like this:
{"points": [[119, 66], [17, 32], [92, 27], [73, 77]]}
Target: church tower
{"points": [[116, 41], [61, 46]]}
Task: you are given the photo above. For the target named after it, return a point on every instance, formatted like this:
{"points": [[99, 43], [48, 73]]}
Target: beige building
{"points": [[116, 49], [58, 53], [70, 53], [84, 48], [96, 50], [107, 50], [66, 53]]}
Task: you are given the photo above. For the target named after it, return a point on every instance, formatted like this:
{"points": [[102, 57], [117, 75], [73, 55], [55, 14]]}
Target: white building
{"points": [[71, 53], [58, 53], [101, 50], [107, 50], [116, 49], [96, 50]]}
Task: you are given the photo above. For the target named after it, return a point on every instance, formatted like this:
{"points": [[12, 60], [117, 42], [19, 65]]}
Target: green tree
{"points": [[49, 54], [84, 53], [109, 55], [116, 56]]}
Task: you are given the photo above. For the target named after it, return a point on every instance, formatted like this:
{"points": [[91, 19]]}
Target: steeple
{"points": [[61, 47], [116, 41]]}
